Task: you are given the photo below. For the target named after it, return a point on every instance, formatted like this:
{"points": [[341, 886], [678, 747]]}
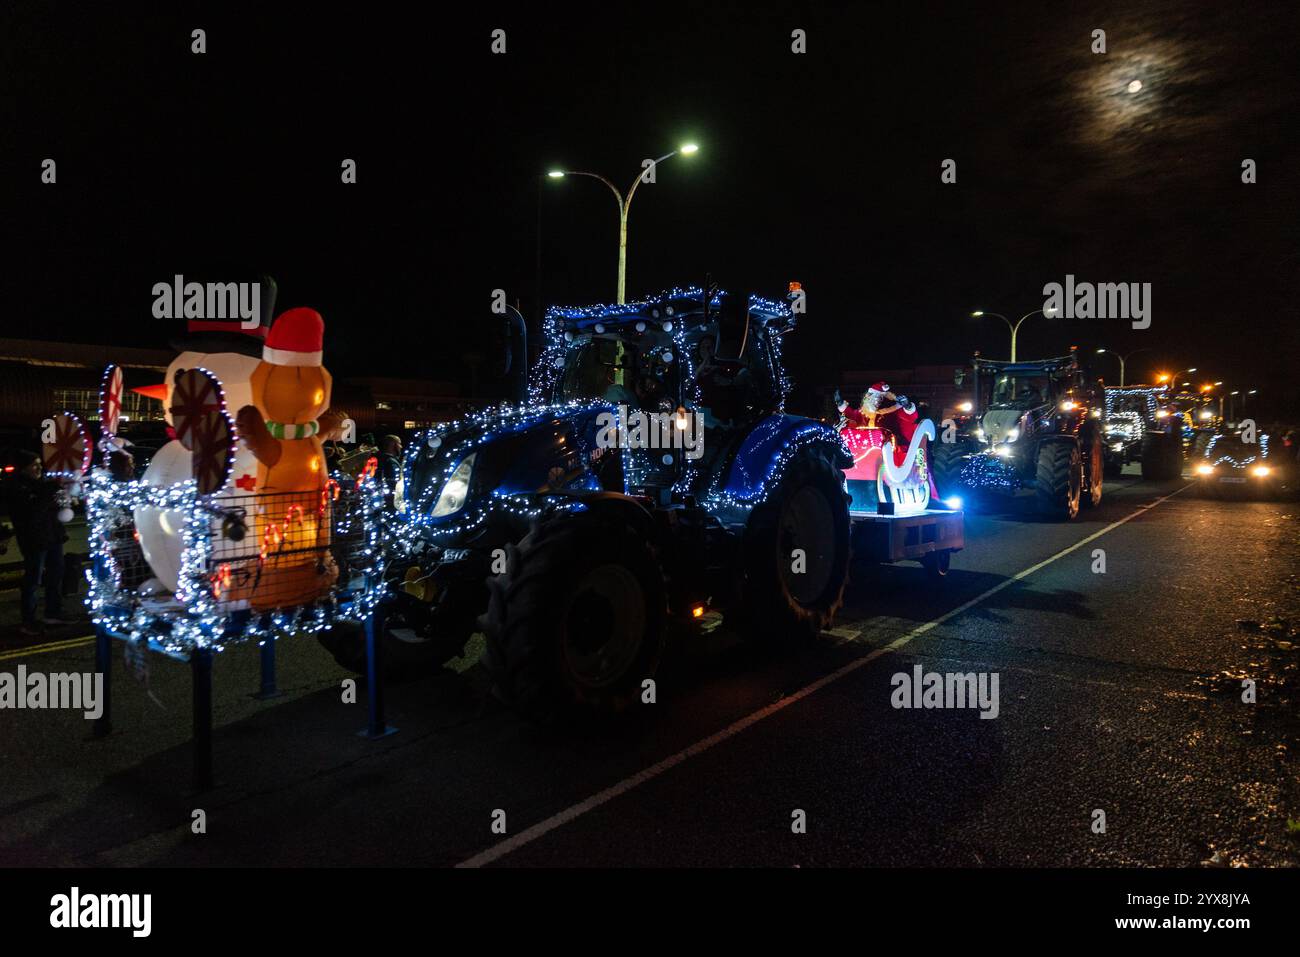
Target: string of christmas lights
{"points": [[1214, 440], [197, 618]]}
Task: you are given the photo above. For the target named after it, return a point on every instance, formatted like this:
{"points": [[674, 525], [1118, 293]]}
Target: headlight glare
{"points": [[456, 490]]}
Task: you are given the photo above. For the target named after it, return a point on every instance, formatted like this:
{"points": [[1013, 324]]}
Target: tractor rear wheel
{"points": [[796, 549], [1096, 471], [936, 564], [1162, 456], [1059, 480], [577, 617]]}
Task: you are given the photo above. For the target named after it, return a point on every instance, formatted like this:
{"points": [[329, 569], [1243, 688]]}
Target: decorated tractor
{"points": [[1139, 427], [650, 478], [893, 497], [1034, 427]]}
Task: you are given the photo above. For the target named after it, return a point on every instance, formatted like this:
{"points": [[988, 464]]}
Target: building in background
{"points": [[39, 378]]}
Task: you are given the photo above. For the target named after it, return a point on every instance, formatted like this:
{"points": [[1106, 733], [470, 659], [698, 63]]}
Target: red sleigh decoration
{"points": [[908, 469]]}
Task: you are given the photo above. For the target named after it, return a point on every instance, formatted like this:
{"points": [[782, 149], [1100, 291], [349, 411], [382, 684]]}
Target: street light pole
{"points": [[624, 205], [1122, 360], [1016, 327]]}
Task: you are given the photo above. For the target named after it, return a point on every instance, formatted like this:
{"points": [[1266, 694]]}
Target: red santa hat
{"points": [[878, 387], [297, 338]]}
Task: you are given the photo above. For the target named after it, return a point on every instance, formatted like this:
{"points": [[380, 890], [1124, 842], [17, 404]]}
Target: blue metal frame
{"points": [[200, 661]]}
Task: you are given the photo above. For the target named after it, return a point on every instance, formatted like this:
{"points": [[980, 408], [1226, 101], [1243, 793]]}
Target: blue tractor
{"points": [[650, 477]]}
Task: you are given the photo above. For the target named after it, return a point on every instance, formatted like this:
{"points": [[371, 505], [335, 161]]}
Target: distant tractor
{"points": [[1033, 428], [1139, 427], [575, 528]]}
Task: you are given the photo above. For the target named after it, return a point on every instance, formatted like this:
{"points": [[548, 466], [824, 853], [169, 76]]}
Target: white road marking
{"points": [[527, 836]]}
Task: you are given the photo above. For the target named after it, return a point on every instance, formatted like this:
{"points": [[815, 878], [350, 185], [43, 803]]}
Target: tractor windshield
{"points": [[1130, 403], [616, 370], [1020, 391]]}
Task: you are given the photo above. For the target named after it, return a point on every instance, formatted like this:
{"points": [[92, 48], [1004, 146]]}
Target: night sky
{"points": [[821, 167]]}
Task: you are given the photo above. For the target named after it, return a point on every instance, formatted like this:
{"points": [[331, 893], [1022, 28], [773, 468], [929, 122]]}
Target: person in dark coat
{"points": [[33, 503], [390, 465]]}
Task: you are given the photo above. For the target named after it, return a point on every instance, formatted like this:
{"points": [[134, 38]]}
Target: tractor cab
{"points": [[1010, 396], [682, 366]]}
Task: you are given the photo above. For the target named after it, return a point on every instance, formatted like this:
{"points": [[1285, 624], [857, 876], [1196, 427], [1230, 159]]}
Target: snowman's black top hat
{"points": [[229, 335]]}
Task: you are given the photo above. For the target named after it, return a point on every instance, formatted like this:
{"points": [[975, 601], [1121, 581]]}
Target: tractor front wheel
{"points": [[796, 550], [577, 617], [416, 640], [1059, 480]]}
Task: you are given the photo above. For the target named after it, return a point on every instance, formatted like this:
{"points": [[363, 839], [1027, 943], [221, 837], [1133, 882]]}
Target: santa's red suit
{"points": [[881, 417], [881, 409]]}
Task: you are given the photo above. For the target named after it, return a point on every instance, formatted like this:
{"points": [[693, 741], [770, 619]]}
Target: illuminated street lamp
{"points": [[624, 203], [1014, 327], [1124, 358]]}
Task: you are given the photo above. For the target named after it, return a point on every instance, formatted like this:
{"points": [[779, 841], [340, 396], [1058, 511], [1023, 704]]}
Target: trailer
{"points": [[930, 537], [894, 504]]}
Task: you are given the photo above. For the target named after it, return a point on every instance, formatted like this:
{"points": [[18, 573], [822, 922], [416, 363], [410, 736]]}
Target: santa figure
{"points": [[884, 417], [881, 409]]}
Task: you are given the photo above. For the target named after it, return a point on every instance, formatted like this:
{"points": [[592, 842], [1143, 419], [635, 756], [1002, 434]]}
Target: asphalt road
{"points": [[1118, 691]]}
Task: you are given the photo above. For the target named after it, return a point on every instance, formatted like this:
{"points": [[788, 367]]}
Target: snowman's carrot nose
{"points": [[158, 391]]}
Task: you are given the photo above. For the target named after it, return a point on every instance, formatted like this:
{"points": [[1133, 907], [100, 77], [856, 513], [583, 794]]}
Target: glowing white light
{"points": [[456, 490], [1135, 86], [953, 501]]}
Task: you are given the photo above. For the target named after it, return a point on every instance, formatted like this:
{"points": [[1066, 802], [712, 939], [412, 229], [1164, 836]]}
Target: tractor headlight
{"points": [[1260, 471], [456, 490], [1205, 469], [1002, 451], [1012, 435]]}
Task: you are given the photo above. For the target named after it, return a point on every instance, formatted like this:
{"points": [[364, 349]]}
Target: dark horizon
{"points": [[823, 169]]}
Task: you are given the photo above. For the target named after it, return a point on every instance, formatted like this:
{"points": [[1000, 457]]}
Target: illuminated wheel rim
{"points": [[1076, 483], [1098, 473], [604, 626], [806, 523]]}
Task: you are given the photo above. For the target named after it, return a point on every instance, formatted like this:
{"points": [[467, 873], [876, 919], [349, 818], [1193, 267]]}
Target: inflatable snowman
{"points": [[231, 353]]}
